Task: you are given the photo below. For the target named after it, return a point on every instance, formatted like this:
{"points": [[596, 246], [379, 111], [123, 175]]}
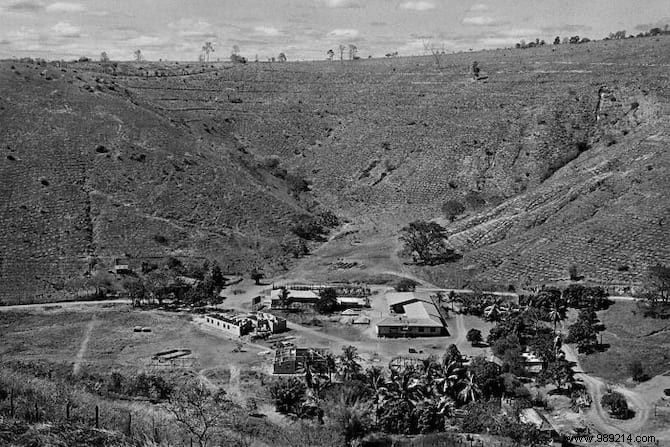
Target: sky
{"points": [[304, 29]]}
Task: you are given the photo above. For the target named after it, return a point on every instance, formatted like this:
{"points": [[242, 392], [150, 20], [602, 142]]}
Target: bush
{"points": [[309, 230], [406, 285], [636, 370], [288, 395], [474, 336], [452, 208], [616, 404]]}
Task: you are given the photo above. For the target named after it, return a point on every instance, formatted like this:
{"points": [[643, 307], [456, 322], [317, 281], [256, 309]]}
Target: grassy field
{"points": [[630, 337], [54, 337]]}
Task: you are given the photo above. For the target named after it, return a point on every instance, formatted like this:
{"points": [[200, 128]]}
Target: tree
{"points": [[657, 282], [330, 53], [558, 372], [327, 301], [452, 208], [475, 70], [636, 370], [207, 49], [557, 40], [138, 55], [199, 411], [433, 50], [349, 366], [406, 285], [426, 241], [474, 336], [288, 395], [452, 355], [341, 48], [104, 58], [353, 50], [284, 298], [574, 273], [487, 376], [583, 334], [256, 276], [281, 57], [470, 390], [616, 404], [349, 413]]}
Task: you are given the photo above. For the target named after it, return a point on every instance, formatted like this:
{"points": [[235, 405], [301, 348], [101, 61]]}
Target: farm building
{"points": [[353, 301], [412, 315], [239, 325], [292, 360], [294, 296], [230, 325]]}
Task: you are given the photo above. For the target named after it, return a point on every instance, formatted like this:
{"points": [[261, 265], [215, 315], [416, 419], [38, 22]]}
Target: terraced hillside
{"points": [[559, 154], [87, 176]]}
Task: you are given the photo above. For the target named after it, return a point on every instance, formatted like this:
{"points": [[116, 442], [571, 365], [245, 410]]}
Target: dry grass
{"points": [[627, 333]]}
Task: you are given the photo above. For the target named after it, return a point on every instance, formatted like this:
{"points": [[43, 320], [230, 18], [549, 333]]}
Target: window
{"points": [[420, 329]]}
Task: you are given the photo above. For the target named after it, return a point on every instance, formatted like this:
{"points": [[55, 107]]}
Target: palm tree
{"points": [[374, 378], [331, 365], [284, 298], [349, 365], [470, 390], [557, 313], [207, 48]]}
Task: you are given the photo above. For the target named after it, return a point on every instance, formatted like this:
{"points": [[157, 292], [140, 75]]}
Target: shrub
{"points": [[160, 239], [406, 285], [616, 404], [309, 230], [636, 370], [288, 395], [452, 208], [474, 336]]}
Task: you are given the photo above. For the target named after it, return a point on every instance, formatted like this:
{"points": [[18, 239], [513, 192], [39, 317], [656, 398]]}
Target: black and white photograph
{"points": [[334, 223]]}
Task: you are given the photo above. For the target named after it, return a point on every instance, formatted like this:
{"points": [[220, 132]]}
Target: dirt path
{"points": [[76, 368], [599, 417]]}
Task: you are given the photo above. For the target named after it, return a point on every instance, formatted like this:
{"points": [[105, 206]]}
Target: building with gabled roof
{"points": [[412, 315]]}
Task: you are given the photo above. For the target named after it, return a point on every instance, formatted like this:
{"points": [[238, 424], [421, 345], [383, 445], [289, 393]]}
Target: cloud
{"points": [[343, 3], [417, 6], [65, 7], [267, 31], [64, 29], [4, 42], [345, 33], [479, 7], [147, 41], [25, 6], [191, 28], [480, 21]]}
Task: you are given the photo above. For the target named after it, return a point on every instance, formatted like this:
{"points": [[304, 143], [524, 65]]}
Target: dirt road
{"points": [[597, 416]]}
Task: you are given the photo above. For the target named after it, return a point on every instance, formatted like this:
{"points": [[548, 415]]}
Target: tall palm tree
{"points": [[557, 313], [470, 390], [349, 365], [207, 48]]}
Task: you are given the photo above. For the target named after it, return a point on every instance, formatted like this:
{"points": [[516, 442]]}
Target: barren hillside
{"points": [[560, 156]]}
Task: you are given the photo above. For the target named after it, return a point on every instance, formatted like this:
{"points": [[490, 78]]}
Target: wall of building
{"points": [[412, 331], [225, 326]]}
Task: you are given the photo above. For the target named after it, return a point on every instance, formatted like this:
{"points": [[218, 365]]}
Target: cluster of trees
{"points": [[656, 302], [656, 31], [351, 49], [426, 242], [156, 284], [616, 404], [315, 228], [409, 398], [531, 44]]}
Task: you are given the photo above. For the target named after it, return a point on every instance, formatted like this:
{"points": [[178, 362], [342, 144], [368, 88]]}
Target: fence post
{"points": [[97, 417], [67, 410], [130, 417], [37, 415]]}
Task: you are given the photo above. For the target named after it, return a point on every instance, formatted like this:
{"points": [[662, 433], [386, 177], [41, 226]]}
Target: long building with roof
{"points": [[412, 314]]}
